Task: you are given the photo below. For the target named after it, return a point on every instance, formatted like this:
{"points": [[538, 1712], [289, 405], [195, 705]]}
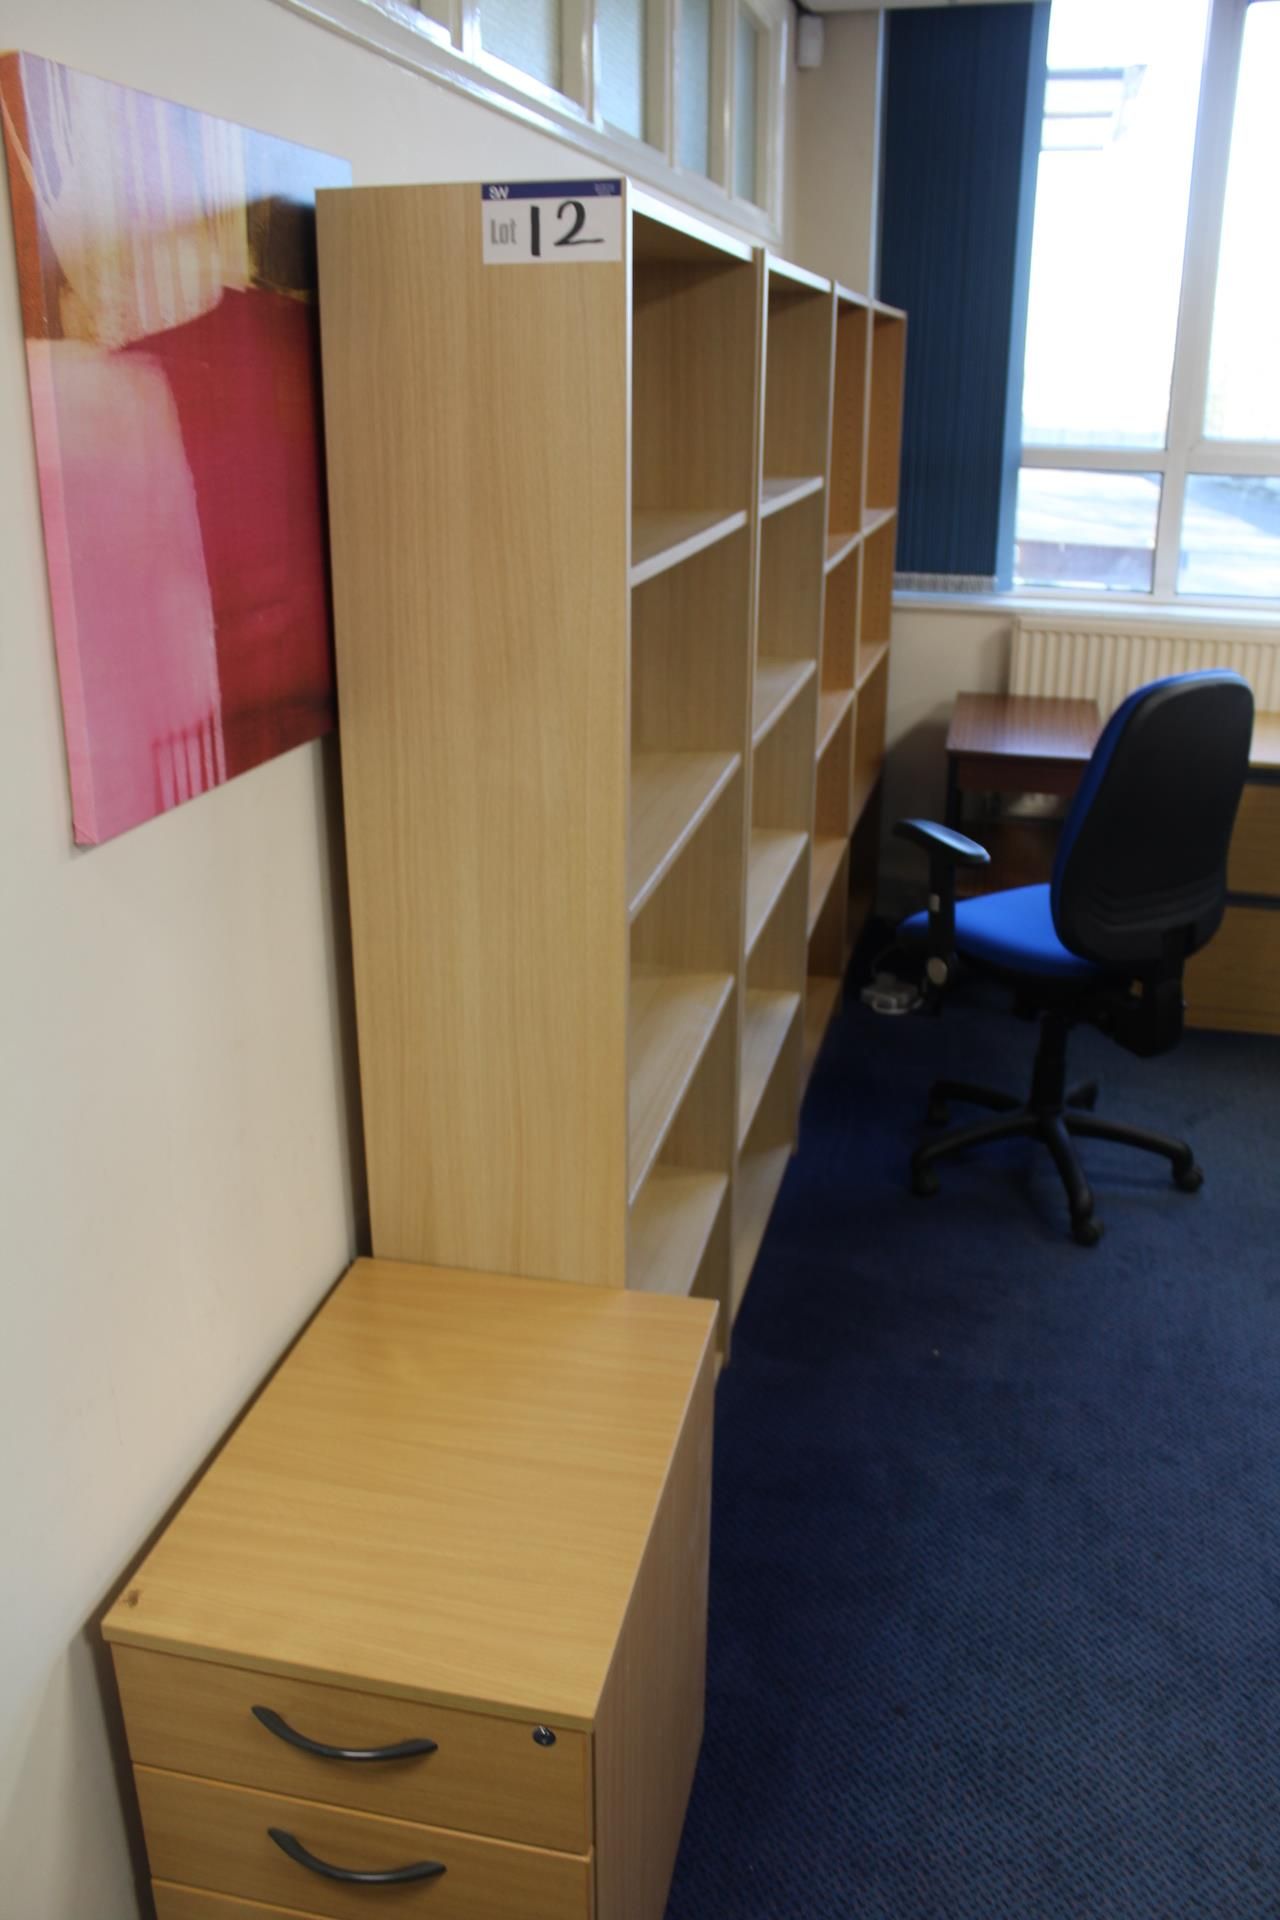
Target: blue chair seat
{"points": [[1014, 931]]}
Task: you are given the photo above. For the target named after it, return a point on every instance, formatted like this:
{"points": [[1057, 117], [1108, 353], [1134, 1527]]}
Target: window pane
{"points": [[1230, 536], [693, 86], [435, 10], [746, 79], [1244, 364], [526, 33], [1085, 529], [620, 46], [1110, 220]]}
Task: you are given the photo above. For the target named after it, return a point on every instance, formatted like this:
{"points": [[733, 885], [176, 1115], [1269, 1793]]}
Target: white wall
{"points": [[176, 1135]]}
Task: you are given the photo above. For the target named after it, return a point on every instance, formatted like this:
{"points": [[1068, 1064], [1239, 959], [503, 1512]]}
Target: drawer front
{"points": [[1254, 862], [202, 1834], [486, 1776], [188, 1903], [1234, 982]]}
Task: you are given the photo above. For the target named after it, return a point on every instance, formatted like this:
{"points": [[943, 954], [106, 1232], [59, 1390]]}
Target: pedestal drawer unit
{"points": [[1234, 982], [428, 1637]]}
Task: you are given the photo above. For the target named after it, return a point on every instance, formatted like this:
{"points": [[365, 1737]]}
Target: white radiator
{"points": [[1106, 659]]}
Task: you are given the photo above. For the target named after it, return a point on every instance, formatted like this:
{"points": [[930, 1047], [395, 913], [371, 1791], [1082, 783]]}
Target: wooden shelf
{"points": [[771, 861], [827, 855], [777, 684], [839, 547], [832, 708], [784, 491], [662, 539], [794, 276], [670, 1225], [876, 517], [759, 1177], [671, 794], [766, 1024], [869, 659], [821, 998], [667, 233], [670, 1020]]}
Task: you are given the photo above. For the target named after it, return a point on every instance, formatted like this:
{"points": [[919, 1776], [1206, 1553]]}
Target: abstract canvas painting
{"points": [[167, 272]]}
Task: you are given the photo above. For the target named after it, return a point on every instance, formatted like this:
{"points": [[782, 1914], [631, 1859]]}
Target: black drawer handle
{"points": [[403, 1749], [383, 1877]]}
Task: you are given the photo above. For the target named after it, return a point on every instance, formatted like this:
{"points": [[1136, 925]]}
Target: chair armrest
{"points": [[937, 839], [947, 850]]}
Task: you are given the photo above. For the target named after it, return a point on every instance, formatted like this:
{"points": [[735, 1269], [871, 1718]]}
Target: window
{"points": [[526, 34], [621, 27], [685, 95], [693, 85], [1151, 389], [746, 88]]}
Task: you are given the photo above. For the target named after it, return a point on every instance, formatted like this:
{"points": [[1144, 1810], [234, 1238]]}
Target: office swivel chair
{"points": [[1139, 884]]}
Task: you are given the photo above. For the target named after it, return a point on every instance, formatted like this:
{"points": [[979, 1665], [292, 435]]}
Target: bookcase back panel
{"points": [[791, 549], [884, 432], [848, 419], [840, 622], [694, 384], [782, 770], [693, 921], [690, 649], [797, 392]]}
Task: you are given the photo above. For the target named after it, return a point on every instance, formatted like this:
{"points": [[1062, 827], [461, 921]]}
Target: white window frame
{"points": [[453, 55], [1186, 450]]}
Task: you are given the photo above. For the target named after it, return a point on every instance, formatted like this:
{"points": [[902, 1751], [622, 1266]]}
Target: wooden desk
{"points": [[470, 1513], [1234, 982], [1017, 743]]}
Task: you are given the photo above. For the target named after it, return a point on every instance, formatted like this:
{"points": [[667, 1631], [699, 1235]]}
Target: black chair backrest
{"points": [[1141, 875]]}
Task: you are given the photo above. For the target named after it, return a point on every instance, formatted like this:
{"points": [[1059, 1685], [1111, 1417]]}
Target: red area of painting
{"points": [[243, 379]]}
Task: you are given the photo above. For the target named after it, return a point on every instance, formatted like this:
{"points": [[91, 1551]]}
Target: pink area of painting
{"points": [[132, 615]]}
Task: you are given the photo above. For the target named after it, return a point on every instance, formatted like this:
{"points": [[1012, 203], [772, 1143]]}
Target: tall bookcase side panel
{"points": [[477, 425]]}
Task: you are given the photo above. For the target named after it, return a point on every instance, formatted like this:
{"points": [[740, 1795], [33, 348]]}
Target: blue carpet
{"points": [[995, 1609]]}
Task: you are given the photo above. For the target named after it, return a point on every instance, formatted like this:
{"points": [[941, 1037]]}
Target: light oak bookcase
{"points": [[612, 631]]}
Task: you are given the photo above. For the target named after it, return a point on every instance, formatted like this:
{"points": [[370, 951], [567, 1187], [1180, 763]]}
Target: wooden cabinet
{"points": [[466, 1521], [869, 348], [583, 520]]}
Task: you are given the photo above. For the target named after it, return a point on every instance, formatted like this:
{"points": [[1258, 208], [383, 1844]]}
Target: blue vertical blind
{"points": [[963, 105]]}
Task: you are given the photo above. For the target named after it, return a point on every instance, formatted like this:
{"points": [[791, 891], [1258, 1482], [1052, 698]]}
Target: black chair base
{"points": [[1053, 1115]]}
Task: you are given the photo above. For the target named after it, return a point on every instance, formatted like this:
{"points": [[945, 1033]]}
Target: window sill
{"points": [[1218, 613]]}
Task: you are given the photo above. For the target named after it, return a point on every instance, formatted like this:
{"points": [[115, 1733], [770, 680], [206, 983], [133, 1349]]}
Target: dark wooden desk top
{"points": [[1024, 727]]}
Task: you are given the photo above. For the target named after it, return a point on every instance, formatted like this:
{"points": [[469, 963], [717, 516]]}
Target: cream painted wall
{"points": [[935, 655], [837, 144], [833, 229], [177, 1139]]}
